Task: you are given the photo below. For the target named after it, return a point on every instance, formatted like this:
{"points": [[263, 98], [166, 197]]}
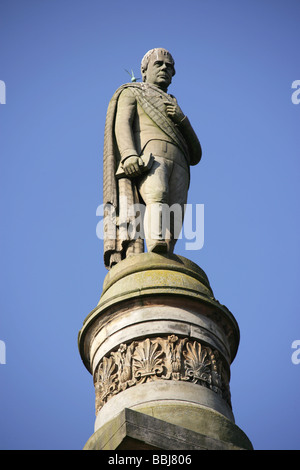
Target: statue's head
{"points": [[158, 67]]}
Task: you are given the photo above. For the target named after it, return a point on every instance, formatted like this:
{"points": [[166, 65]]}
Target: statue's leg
{"points": [[178, 191], [154, 189]]}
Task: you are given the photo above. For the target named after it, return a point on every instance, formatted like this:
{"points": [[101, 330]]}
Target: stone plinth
{"points": [[161, 345]]}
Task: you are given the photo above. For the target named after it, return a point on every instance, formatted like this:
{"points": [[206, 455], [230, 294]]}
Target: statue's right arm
{"points": [[124, 124], [125, 115]]}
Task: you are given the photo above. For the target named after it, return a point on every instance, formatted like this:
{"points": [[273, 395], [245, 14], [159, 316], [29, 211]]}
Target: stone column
{"points": [[159, 347]]}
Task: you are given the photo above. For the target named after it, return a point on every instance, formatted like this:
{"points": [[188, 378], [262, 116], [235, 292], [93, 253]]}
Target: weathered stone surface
{"points": [[153, 261], [159, 342], [140, 431], [165, 393], [155, 359], [151, 281]]}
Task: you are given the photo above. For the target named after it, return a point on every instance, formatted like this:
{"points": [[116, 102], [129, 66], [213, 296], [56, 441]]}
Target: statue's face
{"points": [[160, 70]]}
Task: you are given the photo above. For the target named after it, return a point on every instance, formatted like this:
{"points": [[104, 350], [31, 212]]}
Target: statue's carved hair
{"points": [[146, 58]]}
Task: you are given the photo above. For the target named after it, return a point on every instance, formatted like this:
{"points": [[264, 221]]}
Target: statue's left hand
{"points": [[174, 112]]}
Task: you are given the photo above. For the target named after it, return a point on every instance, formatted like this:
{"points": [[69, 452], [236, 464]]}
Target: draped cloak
{"points": [[116, 190]]}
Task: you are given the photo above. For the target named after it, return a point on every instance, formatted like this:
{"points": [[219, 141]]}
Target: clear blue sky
{"points": [[61, 61]]}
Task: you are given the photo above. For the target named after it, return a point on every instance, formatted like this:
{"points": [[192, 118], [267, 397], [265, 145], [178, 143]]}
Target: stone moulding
{"points": [[151, 280], [160, 358], [159, 343]]}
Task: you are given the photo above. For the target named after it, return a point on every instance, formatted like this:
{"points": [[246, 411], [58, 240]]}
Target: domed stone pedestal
{"points": [[159, 347]]}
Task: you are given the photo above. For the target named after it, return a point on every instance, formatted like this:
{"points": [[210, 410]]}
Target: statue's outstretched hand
{"points": [[132, 166], [174, 112]]}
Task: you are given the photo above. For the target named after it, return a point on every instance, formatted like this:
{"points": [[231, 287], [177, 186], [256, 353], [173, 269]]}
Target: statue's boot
{"points": [[160, 246]]}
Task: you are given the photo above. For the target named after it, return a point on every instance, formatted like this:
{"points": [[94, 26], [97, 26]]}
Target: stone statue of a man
{"points": [[149, 145]]}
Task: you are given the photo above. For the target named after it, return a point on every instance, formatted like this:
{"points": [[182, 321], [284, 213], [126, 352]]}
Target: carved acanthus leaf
{"points": [[197, 362], [147, 360], [123, 360], [106, 383], [168, 358]]}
